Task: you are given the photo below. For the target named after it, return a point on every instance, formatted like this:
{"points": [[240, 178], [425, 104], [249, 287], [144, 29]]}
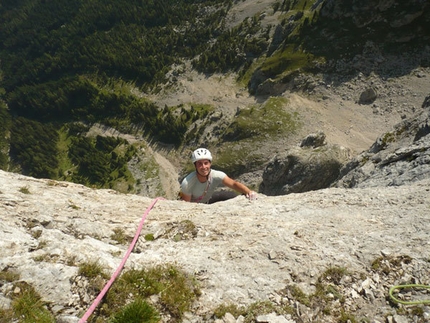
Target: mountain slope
{"points": [[177, 81]]}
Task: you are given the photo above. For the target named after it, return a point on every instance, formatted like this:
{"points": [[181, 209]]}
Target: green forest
{"points": [[67, 65], [73, 63]]}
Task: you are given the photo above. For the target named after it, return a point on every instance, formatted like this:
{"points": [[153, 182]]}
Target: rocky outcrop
{"points": [[368, 11], [396, 158], [336, 249], [313, 165], [396, 17], [353, 36]]}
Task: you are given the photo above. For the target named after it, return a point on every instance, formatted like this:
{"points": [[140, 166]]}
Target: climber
{"points": [[200, 185]]}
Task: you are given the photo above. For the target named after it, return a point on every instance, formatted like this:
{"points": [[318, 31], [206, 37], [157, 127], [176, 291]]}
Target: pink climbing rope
{"points": [[121, 265]]}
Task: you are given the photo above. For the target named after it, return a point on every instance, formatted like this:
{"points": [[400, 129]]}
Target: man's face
{"points": [[203, 167]]}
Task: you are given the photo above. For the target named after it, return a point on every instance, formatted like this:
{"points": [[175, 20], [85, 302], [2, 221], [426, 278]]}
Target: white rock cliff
{"points": [[240, 251]]}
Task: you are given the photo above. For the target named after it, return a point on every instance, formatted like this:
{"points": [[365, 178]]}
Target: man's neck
{"points": [[201, 178]]}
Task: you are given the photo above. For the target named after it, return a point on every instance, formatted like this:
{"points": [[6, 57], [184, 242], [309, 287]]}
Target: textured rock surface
{"points": [[384, 12], [304, 169], [397, 157], [241, 251]]}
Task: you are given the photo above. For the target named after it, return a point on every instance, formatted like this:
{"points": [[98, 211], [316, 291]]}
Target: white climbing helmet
{"points": [[201, 153]]}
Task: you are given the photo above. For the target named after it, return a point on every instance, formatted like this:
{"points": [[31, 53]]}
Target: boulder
{"points": [[314, 140], [368, 96]]}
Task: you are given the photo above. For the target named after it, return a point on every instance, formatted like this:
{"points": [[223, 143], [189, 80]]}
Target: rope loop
{"points": [[393, 288]]}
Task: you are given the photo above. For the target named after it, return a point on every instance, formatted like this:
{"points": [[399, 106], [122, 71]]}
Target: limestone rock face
{"points": [[396, 158], [240, 251]]}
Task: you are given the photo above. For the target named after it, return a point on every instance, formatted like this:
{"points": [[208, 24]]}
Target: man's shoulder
{"points": [[190, 176], [218, 174]]}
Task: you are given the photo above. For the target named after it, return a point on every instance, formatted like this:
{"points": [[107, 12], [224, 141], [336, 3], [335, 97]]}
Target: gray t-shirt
{"points": [[202, 192]]}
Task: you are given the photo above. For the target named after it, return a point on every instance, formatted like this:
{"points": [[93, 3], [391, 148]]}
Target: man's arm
{"points": [[239, 187], [185, 197]]}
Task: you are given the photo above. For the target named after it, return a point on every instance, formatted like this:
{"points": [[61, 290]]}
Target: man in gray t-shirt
{"points": [[200, 185]]}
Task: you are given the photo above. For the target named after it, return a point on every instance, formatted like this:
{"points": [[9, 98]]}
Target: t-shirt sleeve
{"points": [[185, 187], [219, 175]]}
